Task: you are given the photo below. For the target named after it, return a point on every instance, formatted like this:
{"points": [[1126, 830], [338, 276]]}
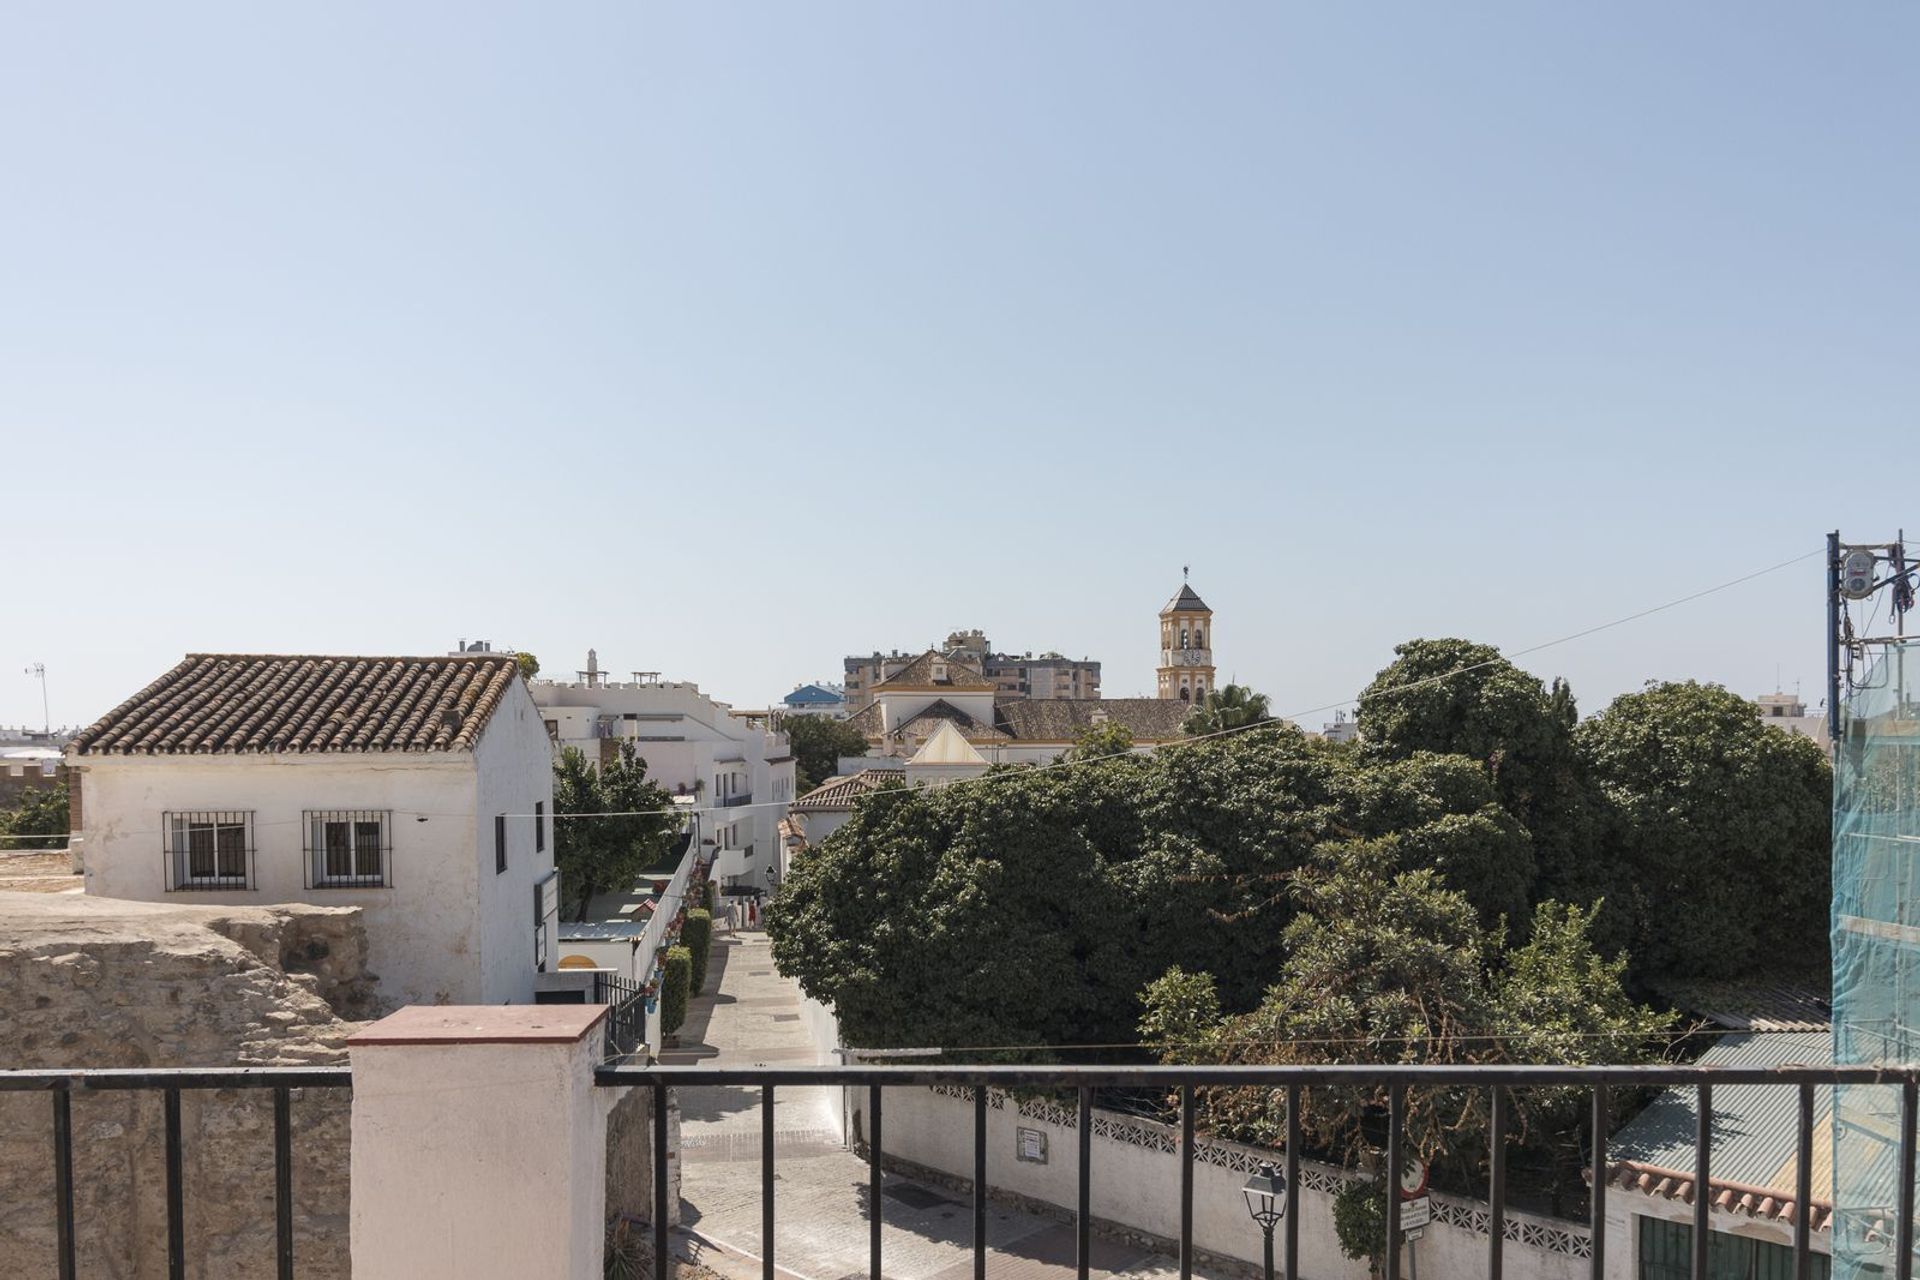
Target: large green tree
{"points": [[1181, 858], [1454, 697], [610, 824], [1716, 831], [817, 743], [1387, 965]]}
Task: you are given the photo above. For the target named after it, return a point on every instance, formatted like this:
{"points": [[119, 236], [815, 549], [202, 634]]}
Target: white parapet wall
{"points": [[1136, 1186]]}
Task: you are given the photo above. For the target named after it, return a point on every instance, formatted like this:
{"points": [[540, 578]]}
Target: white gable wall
{"points": [[515, 772], [445, 931]]}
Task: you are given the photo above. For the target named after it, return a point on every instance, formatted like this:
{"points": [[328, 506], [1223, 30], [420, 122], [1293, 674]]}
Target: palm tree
{"points": [[1232, 707]]}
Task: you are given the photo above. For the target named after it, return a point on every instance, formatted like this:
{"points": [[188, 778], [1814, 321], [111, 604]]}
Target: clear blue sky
{"points": [[730, 338]]}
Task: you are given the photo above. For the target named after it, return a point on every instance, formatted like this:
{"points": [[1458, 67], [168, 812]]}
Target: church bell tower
{"points": [[1186, 646]]}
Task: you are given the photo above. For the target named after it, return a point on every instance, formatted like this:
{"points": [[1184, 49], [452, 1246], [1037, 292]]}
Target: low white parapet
{"points": [[479, 1143]]}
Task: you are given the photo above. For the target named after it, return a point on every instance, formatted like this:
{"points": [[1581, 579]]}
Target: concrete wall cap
{"points": [[482, 1024]]}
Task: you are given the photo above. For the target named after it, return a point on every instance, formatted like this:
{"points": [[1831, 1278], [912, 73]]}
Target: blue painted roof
{"points": [[811, 694]]}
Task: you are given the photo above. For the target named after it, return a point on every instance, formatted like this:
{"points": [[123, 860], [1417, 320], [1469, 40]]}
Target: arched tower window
{"points": [[1199, 638], [1183, 638], [1183, 693]]}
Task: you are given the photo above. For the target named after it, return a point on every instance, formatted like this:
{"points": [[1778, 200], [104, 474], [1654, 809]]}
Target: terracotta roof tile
{"points": [[920, 674], [843, 793], [232, 704], [1065, 719], [1729, 1197]]}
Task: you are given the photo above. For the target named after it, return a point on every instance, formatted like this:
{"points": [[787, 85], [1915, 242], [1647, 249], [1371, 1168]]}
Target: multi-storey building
{"points": [[1015, 675], [736, 770]]}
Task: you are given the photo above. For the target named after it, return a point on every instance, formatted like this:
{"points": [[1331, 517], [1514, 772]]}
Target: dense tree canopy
{"points": [[1715, 830], [1388, 965], [818, 742], [1131, 867], [627, 824]]}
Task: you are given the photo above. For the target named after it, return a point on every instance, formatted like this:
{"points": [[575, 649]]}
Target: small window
{"points": [[209, 849], [347, 848], [539, 826], [499, 843]]}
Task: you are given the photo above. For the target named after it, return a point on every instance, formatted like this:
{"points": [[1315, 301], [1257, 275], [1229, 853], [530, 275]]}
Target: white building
{"points": [[417, 789], [739, 771], [1786, 712], [826, 808], [1342, 728]]}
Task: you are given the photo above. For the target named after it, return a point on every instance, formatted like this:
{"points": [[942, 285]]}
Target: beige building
{"points": [[1012, 675], [1186, 648]]}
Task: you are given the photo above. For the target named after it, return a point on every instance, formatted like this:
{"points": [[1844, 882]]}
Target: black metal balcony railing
{"points": [[728, 802], [282, 1080], [1500, 1081]]}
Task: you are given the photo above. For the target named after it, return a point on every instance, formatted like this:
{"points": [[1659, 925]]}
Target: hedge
{"points": [[674, 984], [697, 937], [710, 894]]}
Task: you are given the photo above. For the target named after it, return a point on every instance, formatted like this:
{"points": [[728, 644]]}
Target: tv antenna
{"points": [[39, 672]]}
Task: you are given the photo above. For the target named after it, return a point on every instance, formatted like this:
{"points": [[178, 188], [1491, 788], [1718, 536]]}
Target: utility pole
{"points": [[39, 671]]}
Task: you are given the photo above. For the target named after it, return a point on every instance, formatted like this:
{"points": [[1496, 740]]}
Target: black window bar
{"points": [[348, 848], [171, 1084], [1184, 1082], [205, 849]]}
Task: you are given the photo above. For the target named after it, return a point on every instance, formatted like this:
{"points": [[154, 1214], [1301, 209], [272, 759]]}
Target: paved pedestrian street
{"points": [[751, 1016]]}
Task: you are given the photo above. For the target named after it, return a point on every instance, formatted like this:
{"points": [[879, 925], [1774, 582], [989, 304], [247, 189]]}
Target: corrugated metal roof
{"points": [[1756, 1127]]}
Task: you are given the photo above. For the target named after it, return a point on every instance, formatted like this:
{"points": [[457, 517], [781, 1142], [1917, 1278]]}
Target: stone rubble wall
{"points": [[97, 983]]}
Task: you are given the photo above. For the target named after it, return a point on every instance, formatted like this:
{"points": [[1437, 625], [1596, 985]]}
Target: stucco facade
{"points": [[445, 927], [739, 772]]}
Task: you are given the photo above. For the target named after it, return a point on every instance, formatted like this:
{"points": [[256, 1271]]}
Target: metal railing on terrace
{"points": [[728, 802], [1183, 1082]]}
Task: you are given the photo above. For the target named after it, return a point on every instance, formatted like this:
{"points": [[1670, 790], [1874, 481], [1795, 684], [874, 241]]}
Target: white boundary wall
{"points": [[1136, 1184]]}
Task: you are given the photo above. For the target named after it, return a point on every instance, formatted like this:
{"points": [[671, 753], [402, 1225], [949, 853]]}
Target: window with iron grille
{"points": [[348, 848], [208, 849]]}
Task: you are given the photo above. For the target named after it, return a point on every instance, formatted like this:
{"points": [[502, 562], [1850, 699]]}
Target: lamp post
{"points": [[1266, 1193]]}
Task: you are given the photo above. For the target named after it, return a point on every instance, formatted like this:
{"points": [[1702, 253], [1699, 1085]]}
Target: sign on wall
{"points": [[1032, 1146]]}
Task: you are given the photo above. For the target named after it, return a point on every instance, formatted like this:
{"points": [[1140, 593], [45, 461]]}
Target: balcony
{"points": [[735, 801], [408, 1202]]}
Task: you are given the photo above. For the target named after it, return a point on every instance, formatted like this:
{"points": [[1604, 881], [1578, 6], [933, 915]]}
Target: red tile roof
{"points": [[843, 793], [1730, 1197], [231, 704]]}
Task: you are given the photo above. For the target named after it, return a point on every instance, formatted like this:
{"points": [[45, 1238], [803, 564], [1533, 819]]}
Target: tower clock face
{"points": [[1192, 657]]}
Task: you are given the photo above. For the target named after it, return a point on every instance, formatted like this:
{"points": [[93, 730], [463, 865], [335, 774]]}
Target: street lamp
{"points": [[1266, 1193]]}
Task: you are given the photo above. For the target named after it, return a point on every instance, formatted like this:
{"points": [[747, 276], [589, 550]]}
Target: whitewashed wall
{"points": [[514, 764], [447, 930], [1136, 1184]]}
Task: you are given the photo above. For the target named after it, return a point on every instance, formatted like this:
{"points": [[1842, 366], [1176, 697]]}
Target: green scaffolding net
{"points": [[1876, 951]]}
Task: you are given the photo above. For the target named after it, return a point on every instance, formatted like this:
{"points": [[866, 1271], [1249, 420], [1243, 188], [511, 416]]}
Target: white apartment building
{"points": [[739, 771], [417, 789]]}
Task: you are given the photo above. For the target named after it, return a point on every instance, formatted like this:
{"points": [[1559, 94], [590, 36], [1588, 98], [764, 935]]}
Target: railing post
{"points": [[1597, 1199], [1293, 1182], [1186, 1182], [1803, 1191], [1497, 1185], [283, 1183], [1903, 1260], [1396, 1161], [1702, 1179], [484, 1134], [766, 1182], [1083, 1216], [63, 1178], [980, 1182], [176, 1191], [876, 1205]]}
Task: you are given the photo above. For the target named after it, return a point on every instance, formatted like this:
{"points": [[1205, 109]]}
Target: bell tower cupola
{"points": [[1186, 646]]}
